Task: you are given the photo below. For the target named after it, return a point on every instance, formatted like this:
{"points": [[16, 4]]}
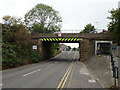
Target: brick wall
{"points": [[86, 49]]}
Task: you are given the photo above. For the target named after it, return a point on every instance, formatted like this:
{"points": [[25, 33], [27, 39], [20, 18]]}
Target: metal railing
{"points": [[76, 30], [70, 31], [114, 70]]}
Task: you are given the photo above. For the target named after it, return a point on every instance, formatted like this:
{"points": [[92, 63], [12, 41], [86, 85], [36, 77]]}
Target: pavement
{"points": [[81, 78], [101, 70], [62, 71]]}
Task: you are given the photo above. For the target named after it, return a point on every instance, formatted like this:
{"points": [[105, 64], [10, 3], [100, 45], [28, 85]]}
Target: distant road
{"points": [[60, 72]]}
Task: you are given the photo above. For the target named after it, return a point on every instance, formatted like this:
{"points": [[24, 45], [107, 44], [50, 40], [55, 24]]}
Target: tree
{"points": [[10, 20], [68, 48], [54, 48], [89, 28], [43, 18], [16, 45], [74, 49], [13, 29], [114, 25]]}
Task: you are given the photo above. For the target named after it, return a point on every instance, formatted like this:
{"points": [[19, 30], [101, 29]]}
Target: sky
{"points": [[75, 13]]}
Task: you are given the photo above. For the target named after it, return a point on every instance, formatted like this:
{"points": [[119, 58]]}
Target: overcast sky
{"points": [[75, 13]]}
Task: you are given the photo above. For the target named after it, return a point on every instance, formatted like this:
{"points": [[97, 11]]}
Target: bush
{"points": [[16, 47], [14, 55], [10, 57], [35, 57]]}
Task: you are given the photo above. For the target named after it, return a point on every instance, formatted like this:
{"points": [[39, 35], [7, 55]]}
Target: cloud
{"points": [[75, 13]]}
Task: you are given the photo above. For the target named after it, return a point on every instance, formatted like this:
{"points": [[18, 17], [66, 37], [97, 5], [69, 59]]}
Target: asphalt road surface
{"points": [[63, 71]]}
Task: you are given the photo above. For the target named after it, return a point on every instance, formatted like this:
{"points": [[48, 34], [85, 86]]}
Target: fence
{"points": [[70, 31], [114, 70], [75, 30]]}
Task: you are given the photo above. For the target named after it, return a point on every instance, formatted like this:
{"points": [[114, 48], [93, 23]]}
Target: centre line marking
{"points": [[65, 77], [31, 72]]}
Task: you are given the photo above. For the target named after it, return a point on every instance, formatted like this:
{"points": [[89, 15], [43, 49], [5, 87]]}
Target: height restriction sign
{"points": [[59, 34]]}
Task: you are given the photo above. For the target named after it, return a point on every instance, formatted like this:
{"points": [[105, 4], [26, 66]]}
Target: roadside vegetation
{"points": [[114, 25], [114, 30], [89, 28], [17, 45]]}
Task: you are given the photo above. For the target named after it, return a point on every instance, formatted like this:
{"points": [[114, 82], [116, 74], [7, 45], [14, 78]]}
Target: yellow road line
{"points": [[71, 76], [64, 79]]}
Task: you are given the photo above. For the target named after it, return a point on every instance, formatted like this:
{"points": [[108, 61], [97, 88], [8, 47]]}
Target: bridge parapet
{"points": [[97, 36]]}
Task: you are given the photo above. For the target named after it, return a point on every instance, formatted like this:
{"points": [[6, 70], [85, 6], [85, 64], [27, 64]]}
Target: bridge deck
{"points": [[97, 36]]}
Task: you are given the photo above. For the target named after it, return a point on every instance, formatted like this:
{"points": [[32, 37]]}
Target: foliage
{"points": [[35, 57], [89, 28], [114, 25], [43, 18], [68, 48], [55, 48], [11, 58], [74, 49], [16, 45], [9, 20]]}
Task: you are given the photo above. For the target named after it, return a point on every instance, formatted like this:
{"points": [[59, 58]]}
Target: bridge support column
{"points": [[43, 48], [86, 49]]}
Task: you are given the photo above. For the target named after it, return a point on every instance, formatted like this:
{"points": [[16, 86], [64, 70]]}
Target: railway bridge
{"points": [[86, 42]]}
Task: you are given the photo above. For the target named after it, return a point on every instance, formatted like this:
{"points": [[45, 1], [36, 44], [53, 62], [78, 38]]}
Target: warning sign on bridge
{"points": [[59, 34]]}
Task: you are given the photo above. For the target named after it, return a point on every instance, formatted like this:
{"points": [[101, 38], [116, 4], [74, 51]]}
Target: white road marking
{"points": [[1, 84], [91, 81], [49, 65], [84, 70], [85, 74], [31, 72]]}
